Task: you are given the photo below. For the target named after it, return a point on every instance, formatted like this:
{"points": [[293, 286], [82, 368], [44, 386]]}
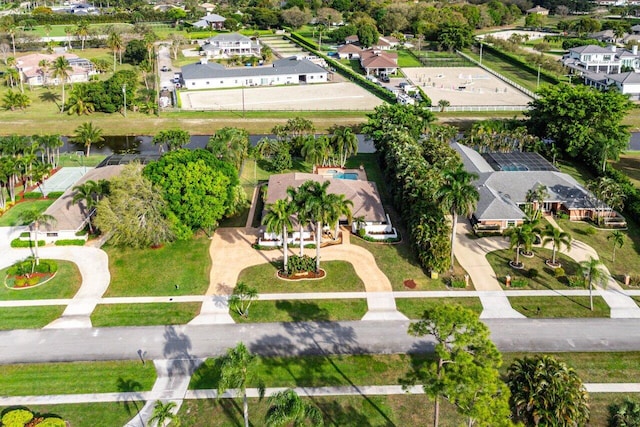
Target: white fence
{"points": [[437, 109]]}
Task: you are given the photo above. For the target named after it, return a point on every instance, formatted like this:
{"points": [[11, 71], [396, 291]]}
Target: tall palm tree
{"points": [[557, 237], [618, 241], [520, 237], [68, 31], [86, 134], [80, 102], [319, 207], [230, 144], [44, 69], [36, 219], [312, 151], [82, 31], [458, 196], [345, 143], [287, 408], [60, 69], [236, 370], [278, 220], [162, 412], [339, 207], [593, 272], [115, 43], [87, 194], [546, 392], [298, 197]]}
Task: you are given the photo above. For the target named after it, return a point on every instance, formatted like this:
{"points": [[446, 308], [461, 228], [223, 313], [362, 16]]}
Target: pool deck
{"points": [[329, 171]]}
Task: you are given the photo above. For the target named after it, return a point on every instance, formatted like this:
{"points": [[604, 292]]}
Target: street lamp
{"points": [[480, 53], [538, 82], [124, 92]]}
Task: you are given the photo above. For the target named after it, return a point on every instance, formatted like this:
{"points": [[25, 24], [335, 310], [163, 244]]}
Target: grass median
{"points": [[149, 314], [178, 268], [326, 310], [559, 307], [29, 317], [65, 284], [413, 308]]}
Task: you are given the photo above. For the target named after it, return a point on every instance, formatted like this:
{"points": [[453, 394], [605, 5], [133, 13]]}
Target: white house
{"points": [[591, 58], [627, 83], [205, 75], [233, 44], [379, 63], [211, 21]]}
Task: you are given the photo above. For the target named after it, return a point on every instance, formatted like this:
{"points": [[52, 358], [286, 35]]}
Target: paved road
{"points": [[384, 337]]}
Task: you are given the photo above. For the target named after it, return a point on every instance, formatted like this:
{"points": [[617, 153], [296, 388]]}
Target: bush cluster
{"points": [[631, 193], [301, 264], [70, 242], [25, 267], [17, 243], [32, 195], [21, 417], [55, 194]]}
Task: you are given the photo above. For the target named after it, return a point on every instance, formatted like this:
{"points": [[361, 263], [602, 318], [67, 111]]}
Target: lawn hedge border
{"points": [[521, 63], [18, 243], [70, 242]]}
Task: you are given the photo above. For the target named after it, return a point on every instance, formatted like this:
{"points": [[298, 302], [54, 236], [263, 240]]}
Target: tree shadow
{"points": [[302, 311], [177, 348], [49, 96], [337, 415], [125, 388]]}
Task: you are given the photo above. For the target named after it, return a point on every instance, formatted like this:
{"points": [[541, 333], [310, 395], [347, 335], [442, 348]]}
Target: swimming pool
{"points": [[347, 175], [513, 167]]}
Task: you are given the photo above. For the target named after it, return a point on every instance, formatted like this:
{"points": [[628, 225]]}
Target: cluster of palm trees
{"points": [[608, 195], [87, 195], [523, 237], [502, 136], [312, 204], [331, 150], [27, 161]]}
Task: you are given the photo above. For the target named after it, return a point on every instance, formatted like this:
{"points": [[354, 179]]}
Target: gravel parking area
{"points": [[464, 86], [329, 96]]}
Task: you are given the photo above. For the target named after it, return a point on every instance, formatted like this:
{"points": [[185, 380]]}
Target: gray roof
{"points": [[471, 159], [214, 17], [363, 194], [70, 216], [590, 48], [629, 77], [492, 206], [229, 37], [283, 66]]}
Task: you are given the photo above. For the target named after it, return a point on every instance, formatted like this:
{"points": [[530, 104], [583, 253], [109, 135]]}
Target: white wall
{"points": [[228, 82]]}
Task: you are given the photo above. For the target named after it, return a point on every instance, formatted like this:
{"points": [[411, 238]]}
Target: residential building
{"points": [[379, 63], [386, 43], [349, 51], [600, 59], [211, 21], [505, 179], [206, 75], [232, 44], [33, 73], [538, 10]]}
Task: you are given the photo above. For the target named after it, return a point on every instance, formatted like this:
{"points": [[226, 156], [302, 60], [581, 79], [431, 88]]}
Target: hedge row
{"points": [[55, 194], [356, 78], [70, 242], [17, 243], [32, 195], [23, 267], [520, 63], [116, 18]]}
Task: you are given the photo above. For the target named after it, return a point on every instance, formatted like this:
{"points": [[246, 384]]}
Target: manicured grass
{"points": [[71, 160], [627, 257], [405, 59], [499, 261], [12, 216], [64, 285], [144, 314], [559, 307], [629, 164], [141, 272], [341, 277], [93, 414], [580, 172], [414, 307], [325, 310], [76, 377], [519, 75], [29, 317]]}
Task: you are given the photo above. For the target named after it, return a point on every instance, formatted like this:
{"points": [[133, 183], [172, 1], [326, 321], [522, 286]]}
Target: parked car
{"points": [[165, 68], [385, 79]]}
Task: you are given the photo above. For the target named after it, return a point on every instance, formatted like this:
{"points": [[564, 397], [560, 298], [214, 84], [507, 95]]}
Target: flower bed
{"points": [[304, 275], [24, 275]]}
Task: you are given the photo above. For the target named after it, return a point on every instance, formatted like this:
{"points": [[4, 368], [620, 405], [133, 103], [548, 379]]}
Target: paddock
{"points": [[326, 96], [464, 86]]}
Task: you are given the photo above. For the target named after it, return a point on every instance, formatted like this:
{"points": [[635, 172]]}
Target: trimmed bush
{"points": [[533, 273], [16, 418], [55, 194], [590, 231], [301, 264], [519, 283], [70, 242], [576, 281], [457, 283], [559, 272], [47, 266], [32, 195], [52, 422], [17, 243]]}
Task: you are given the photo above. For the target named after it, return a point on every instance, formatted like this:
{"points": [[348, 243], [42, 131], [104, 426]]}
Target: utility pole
{"points": [[124, 92], [480, 53], [538, 82]]}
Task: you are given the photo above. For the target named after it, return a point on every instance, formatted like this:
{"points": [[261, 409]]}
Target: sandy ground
{"points": [[329, 96], [533, 35], [465, 86]]}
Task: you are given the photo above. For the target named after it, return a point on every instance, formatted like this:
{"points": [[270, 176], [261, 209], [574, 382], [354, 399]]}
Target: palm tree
{"points": [[458, 196], [521, 236], [546, 392], [163, 412], [60, 69], [87, 194], [235, 372], [618, 241], [44, 69], [230, 144], [115, 43], [319, 206], [625, 414], [82, 31], [86, 135], [557, 237], [593, 272], [80, 102], [340, 207], [443, 104], [287, 408], [298, 197], [69, 31], [313, 151], [36, 219], [278, 220], [345, 143]]}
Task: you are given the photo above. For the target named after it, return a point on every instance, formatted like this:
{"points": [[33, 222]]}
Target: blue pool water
{"points": [[514, 167], [351, 176]]}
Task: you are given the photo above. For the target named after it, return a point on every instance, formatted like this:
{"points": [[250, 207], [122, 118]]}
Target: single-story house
{"points": [[33, 73], [349, 51], [538, 10], [211, 21], [505, 179], [363, 194], [351, 39], [72, 217], [232, 44], [386, 43], [379, 63], [205, 75]]}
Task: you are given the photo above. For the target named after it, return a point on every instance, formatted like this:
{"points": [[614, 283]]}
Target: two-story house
{"points": [[232, 44]]}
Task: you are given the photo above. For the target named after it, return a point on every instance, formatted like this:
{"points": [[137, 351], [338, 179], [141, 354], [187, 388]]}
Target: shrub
{"points": [[562, 215], [301, 264], [70, 242], [17, 243], [25, 234], [575, 281], [16, 418], [590, 231], [559, 272], [52, 422], [634, 280], [519, 283], [32, 195], [55, 194], [47, 266], [362, 232], [457, 283], [533, 273]]}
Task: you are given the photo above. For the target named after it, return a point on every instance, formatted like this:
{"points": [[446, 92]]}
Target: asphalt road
{"points": [[383, 337]]}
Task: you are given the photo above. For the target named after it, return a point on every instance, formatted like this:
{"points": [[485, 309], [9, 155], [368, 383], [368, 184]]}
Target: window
{"points": [[52, 234], [193, 83], [586, 58], [311, 77], [511, 223], [207, 82], [606, 58]]}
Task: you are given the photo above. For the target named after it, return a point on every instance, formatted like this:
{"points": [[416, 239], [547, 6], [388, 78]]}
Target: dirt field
{"points": [[465, 86], [329, 96]]}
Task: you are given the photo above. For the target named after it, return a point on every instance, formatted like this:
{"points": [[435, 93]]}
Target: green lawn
{"points": [[499, 261], [12, 216], [93, 414], [629, 164], [71, 160], [150, 314], [627, 257], [405, 59], [414, 307], [156, 272], [325, 310], [29, 317], [341, 277], [64, 285], [76, 377], [519, 75], [559, 307]]}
